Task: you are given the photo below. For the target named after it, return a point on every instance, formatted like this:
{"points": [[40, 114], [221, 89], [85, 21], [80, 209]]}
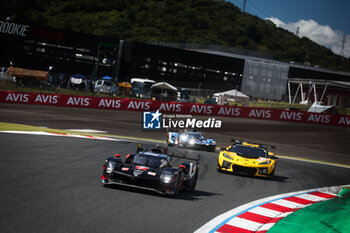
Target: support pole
{"points": [[324, 91], [289, 94], [315, 94], [296, 93], [302, 93]]}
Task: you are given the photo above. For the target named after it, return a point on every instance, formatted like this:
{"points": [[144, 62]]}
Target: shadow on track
{"points": [[275, 178], [183, 195], [195, 195]]}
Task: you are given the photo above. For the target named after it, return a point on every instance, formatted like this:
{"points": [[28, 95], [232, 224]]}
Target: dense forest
{"points": [[184, 21]]}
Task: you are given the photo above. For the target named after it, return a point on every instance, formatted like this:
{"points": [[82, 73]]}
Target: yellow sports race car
{"points": [[249, 158]]}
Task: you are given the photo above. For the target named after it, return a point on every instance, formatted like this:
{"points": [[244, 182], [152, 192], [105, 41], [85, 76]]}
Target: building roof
{"points": [[321, 82]]}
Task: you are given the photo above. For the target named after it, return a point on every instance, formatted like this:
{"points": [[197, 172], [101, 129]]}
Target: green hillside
{"points": [[184, 21]]}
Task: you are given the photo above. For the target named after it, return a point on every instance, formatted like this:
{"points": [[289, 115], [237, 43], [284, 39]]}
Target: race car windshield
{"points": [[149, 161], [249, 152], [195, 136]]}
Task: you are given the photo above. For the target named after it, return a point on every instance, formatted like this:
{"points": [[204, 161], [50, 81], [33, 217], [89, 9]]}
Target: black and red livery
{"points": [[152, 170]]}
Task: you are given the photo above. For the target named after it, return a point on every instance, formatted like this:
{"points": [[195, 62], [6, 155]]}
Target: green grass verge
{"points": [[18, 127], [278, 105]]}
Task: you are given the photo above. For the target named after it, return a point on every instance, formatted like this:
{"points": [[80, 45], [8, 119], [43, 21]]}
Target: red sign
{"points": [[173, 107]]}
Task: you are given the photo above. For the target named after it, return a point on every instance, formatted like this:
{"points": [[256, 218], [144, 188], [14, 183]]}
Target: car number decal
{"points": [[138, 172]]}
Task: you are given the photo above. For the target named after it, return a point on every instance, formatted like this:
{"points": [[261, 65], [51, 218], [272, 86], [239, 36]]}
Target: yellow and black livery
{"points": [[248, 157]]}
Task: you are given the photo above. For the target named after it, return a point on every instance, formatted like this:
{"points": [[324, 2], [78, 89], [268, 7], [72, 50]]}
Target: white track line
{"points": [[63, 135]]}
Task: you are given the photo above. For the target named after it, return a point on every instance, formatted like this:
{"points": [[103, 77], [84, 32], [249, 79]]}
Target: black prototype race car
{"points": [[151, 170]]}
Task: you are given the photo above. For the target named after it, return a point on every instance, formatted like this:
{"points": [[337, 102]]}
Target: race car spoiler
{"points": [[255, 143], [181, 130], [165, 151], [157, 149], [184, 157]]}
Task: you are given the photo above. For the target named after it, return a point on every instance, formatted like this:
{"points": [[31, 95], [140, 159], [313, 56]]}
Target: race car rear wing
{"points": [[165, 151], [181, 130], [157, 149], [236, 141], [184, 157]]}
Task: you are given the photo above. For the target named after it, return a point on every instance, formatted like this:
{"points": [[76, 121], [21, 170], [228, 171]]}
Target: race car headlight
{"points": [[192, 142], [227, 156], [166, 178], [265, 162]]}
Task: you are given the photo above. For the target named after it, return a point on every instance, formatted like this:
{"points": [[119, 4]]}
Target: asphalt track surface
{"points": [[51, 184]]}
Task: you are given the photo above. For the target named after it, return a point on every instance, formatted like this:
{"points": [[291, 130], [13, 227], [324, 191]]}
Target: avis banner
{"points": [[173, 107]]}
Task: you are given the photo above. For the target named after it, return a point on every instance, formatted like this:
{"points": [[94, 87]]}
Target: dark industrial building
{"points": [[181, 68], [35, 47]]}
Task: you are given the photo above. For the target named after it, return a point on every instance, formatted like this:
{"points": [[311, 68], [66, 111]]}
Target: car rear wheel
{"points": [[218, 168], [168, 143], [176, 187], [193, 182], [212, 148], [272, 173]]}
